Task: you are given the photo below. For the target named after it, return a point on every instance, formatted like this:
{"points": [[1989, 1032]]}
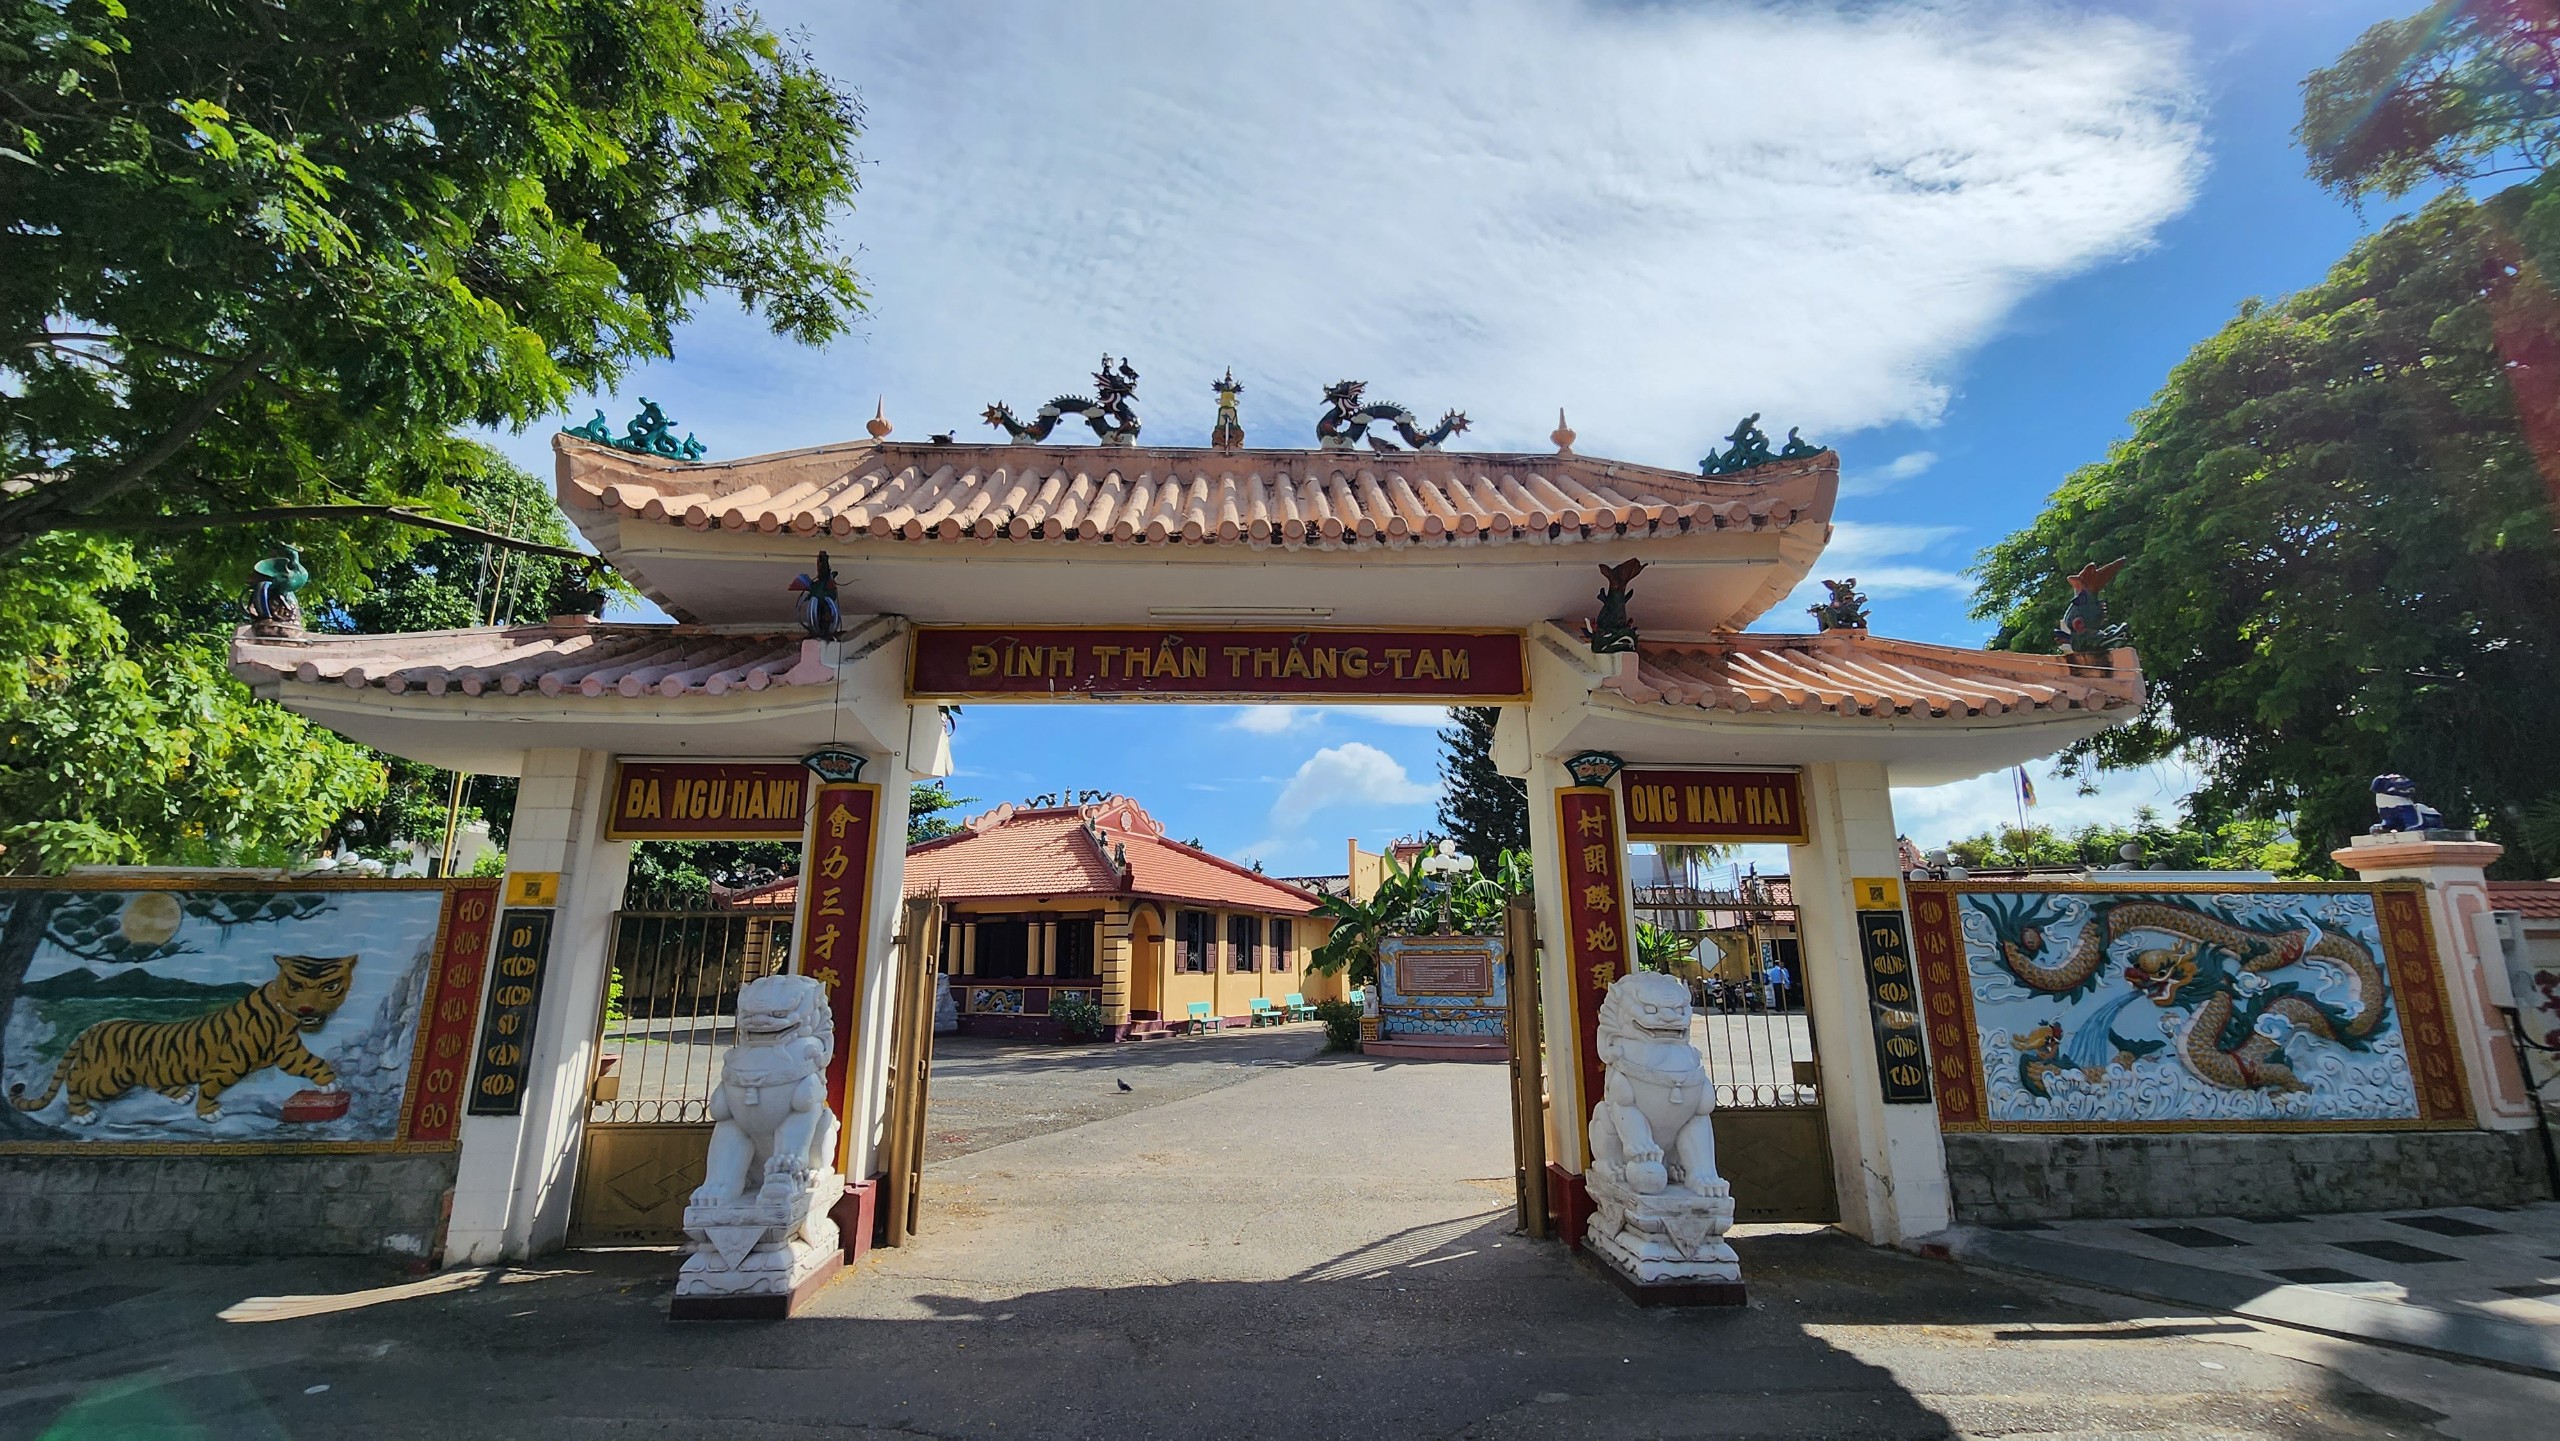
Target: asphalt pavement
{"points": [[1319, 1246]]}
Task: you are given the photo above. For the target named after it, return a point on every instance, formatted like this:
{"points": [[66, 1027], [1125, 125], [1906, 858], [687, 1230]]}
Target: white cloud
{"points": [[1353, 774], [1889, 475], [1854, 550], [1658, 217], [1428, 717], [1938, 814], [1271, 720]]}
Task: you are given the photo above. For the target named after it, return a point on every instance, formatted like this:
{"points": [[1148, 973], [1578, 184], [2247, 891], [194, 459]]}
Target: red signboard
{"points": [[835, 916], [2435, 1059], [1597, 937], [453, 1001], [707, 801], [1679, 805], [1070, 663]]}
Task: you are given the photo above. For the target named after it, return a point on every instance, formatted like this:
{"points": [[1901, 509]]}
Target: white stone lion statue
{"points": [[760, 1220], [1659, 1209], [771, 1127], [1653, 1126]]}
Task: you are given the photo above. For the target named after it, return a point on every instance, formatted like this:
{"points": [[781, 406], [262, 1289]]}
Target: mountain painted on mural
{"points": [[128, 1002]]}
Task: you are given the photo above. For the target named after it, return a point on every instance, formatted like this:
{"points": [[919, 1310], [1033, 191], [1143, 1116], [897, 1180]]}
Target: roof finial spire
{"points": [[1562, 435], [879, 423]]}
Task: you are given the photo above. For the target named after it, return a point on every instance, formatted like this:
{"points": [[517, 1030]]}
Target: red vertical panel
{"points": [[2426, 1016], [1946, 1001], [835, 916], [433, 1107], [1598, 938]]}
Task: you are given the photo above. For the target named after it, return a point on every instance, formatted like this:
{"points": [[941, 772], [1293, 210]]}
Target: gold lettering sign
{"points": [[1681, 805], [704, 801], [1076, 663]]}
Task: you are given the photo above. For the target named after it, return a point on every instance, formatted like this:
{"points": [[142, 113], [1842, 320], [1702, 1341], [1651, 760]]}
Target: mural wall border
{"points": [[2408, 955], [455, 891]]}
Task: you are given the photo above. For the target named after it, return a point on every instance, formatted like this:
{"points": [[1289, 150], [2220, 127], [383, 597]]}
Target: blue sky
{"points": [[1960, 242]]}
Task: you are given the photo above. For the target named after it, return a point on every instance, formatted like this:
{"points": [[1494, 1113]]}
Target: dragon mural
{"points": [[2213, 968], [1346, 421], [1112, 418]]}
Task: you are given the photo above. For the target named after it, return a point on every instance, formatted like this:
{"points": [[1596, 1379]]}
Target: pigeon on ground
{"points": [[1123, 1085]]}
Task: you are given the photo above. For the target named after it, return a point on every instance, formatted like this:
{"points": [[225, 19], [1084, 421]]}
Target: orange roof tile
{"points": [[2537, 900], [1094, 494], [1071, 850], [1853, 674], [588, 660]]}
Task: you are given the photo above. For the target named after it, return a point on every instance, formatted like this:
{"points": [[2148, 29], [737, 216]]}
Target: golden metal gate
{"points": [[1746, 975], [670, 1014]]}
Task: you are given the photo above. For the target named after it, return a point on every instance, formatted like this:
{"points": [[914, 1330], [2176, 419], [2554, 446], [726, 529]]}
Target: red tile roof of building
{"points": [[1073, 851], [587, 660], [1060, 494], [2537, 900], [1854, 674]]}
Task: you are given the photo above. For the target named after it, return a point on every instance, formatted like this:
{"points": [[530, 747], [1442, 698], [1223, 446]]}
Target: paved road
{"points": [[1316, 1249]]}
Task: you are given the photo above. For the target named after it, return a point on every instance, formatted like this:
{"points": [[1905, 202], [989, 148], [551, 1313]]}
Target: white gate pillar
{"points": [[514, 1176], [1889, 1162]]}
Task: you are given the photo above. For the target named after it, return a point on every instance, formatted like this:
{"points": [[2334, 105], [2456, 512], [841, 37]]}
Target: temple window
{"points": [[1243, 932], [1075, 948], [1192, 932], [1283, 942], [1004, 948]]}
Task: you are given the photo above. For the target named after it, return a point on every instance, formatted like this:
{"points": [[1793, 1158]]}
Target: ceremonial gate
{"points": [[936, 574]]}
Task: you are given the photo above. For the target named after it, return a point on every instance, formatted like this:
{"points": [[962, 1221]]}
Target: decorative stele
{"points": [[1845, 610], [2084, 629], [1659, 1209], [1110, 415], [2396, 807], [1593, 768], [269, 598], [649, 433], [820, 613], [1347, 418], [835, 765], [1613, 631], [762, 1236], [1228, 433]]}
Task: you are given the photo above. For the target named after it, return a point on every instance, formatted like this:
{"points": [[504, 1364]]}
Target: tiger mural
{"points": [[207, 1054]]}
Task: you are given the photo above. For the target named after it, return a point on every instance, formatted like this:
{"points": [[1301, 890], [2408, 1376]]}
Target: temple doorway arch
{"points": [[829, 604]]}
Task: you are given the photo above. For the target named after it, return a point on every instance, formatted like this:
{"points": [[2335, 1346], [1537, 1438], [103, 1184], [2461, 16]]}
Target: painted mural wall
{"points": [[217, 1015], [2098, 1006], [1442, 986]]}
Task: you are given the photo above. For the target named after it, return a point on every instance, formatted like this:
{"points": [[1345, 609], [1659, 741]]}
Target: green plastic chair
{"points": [[1263, 1015], [1299, 1010], [1197, 1016]]}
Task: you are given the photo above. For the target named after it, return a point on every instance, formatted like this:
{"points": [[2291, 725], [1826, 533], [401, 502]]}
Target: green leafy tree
{"points": [[928, 805], [1360, 927], [2342, 555], [1483, 810], [262, 254], [2461, 90], [2231, 845]]}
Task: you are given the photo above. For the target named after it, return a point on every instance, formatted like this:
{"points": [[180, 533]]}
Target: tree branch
{"points": [[17, 527], [324, 512]]}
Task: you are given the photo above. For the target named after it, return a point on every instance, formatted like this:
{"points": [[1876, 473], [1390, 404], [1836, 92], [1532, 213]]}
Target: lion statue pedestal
{"points": [[763, 1238], [1659, 1210]]}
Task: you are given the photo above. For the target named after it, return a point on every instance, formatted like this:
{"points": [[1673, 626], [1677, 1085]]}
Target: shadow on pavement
{"points": [[1453, 1329]]}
